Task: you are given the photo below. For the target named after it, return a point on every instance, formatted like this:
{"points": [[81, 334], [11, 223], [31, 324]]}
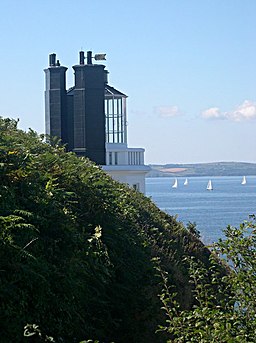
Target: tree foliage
{"points": [[225, 308], [76, 248]]}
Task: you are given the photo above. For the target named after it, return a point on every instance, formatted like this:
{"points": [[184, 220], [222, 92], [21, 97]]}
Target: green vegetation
{"points": [[233, 319], [76, 249], [84, 258]]}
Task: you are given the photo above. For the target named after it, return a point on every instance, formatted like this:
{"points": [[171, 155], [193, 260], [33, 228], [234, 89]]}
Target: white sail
{"points": [[186, 182], [243, 181], [175, 185], [209, 186]]}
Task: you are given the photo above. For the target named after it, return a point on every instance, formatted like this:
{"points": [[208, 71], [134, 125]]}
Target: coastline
{"points": [[203, 169]]}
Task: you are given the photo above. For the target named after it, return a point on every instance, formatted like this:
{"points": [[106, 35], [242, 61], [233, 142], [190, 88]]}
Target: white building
{"points": [[124, 164]]}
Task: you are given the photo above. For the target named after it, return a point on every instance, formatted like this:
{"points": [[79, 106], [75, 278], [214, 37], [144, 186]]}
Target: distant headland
{"points": [[203, 169]]}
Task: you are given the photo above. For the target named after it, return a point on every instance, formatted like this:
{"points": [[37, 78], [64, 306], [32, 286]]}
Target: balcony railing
{"points": [[126, 156]]}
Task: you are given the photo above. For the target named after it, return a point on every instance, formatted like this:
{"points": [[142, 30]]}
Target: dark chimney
{"points": [[81, 57], [89, 57], [52, 60]]}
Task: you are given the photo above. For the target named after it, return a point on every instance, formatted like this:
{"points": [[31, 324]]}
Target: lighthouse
{"points": [[91, 118]]}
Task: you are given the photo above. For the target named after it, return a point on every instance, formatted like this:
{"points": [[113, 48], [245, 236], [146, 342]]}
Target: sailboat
{"points": [[186, 182], [175, 185], [243, 181], [209, 186]]}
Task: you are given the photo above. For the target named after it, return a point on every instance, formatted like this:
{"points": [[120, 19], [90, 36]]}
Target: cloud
{"points": [[167, 111], [245, 111], [212, 113]]}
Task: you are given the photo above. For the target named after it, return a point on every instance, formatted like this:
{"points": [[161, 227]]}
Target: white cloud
{"points": [[167, 111], [212, 113], [245, 111]]}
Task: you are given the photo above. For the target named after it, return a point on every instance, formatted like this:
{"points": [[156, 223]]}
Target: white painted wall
{"points": [[131, 180], [128, 167]]}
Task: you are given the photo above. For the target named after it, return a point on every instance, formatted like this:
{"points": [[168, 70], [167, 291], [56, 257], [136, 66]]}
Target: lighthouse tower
{"points": [[124, 164], [91, 119]]}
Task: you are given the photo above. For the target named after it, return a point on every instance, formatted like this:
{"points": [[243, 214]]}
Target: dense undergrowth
{"points": [[76, 248]]}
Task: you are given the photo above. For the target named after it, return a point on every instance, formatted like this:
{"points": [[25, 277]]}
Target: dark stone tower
{"points": [[56, 100], [89, 113], [77, 116]]}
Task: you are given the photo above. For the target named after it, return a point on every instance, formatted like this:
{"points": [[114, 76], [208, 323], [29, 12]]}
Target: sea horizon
{"points": [[229, 203]]}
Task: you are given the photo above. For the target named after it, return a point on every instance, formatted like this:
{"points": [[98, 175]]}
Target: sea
{"points": [[229, 203]]}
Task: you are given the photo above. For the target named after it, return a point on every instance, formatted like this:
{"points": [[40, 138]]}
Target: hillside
{"points": [[204, 169], [76, 248]]}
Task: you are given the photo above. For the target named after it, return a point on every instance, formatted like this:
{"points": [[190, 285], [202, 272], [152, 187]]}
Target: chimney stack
{"points": [[81, 57], [52, 60], [89, 57]]}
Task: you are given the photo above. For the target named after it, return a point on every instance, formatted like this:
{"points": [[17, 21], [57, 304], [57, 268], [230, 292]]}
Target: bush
{"points": [[225, 308], [76, 247]]}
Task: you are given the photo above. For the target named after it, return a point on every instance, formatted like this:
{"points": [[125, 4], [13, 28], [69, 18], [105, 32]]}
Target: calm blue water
{"points": [[228, 203]]}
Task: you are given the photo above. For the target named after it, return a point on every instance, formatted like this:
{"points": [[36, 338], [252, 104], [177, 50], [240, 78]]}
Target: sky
{"points": [[187, 66]]}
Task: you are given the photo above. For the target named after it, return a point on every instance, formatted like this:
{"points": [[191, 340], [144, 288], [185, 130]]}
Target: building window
{"points": [[116, 158], [136, 186], [115, 120], [110, 158]]}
